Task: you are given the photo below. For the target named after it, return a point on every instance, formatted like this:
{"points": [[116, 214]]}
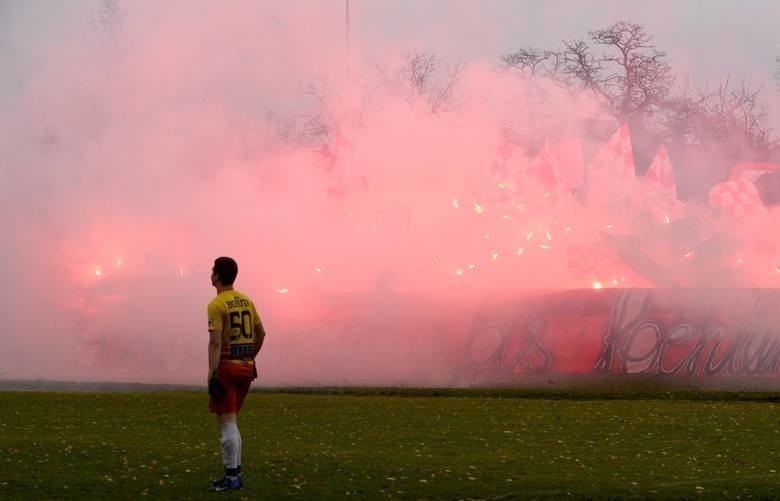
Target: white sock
{"points": [[238, 449], [229, 442]]}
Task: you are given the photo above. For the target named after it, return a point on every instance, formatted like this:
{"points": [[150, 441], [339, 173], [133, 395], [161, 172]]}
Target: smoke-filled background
{"points": [[376, 172]]}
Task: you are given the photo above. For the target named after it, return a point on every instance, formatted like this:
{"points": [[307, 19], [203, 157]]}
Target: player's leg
{"points": [[230, 454], [238, 462], [226, 410], [242, 389], [237, 379], [230, 443], [229, 447]]}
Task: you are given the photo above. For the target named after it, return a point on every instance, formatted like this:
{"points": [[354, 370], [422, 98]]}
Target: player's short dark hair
{"points": [[226, 268]]}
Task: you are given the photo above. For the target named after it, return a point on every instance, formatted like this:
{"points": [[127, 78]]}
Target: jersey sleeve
{"points": [[215, 316], [255, 315]]}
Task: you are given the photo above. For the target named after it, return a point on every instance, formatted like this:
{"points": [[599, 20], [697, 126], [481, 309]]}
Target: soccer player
{"points": [[236, 335]]}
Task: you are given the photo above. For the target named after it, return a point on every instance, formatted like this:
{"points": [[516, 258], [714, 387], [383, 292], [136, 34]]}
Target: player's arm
{"points": [[215, 315], [259, 336], [215, 348], [216, 390]]}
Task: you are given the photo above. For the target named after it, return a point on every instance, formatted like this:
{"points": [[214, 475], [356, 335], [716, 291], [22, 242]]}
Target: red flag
{"points": [[545, 168], [735, 198], [571, 168], [750, 171], [659, 190], [611, 173], [664, 207], [659, 175]]}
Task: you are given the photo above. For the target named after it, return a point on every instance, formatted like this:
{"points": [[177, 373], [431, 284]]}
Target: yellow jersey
{"points": [[234, 315]]}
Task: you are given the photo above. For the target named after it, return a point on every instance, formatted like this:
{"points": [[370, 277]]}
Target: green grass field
{"points": [[395, 444]]}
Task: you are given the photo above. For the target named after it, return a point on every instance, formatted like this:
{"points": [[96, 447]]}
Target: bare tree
{"points": [[533, 62], [318, 123], [580, 64], [685, 120], [639, 76], [441, 93], [738, 114], [732, 116], [419, 79], [417, 71], [631, 73]]}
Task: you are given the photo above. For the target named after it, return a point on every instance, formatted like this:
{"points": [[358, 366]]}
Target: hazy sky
{"points": [[711, 39]]}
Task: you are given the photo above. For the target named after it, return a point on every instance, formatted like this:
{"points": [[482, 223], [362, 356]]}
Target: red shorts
{"points": [[235, 378]]}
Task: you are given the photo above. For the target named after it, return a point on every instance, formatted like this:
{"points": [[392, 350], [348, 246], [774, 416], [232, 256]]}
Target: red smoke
{"points": [[131, 165]]}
